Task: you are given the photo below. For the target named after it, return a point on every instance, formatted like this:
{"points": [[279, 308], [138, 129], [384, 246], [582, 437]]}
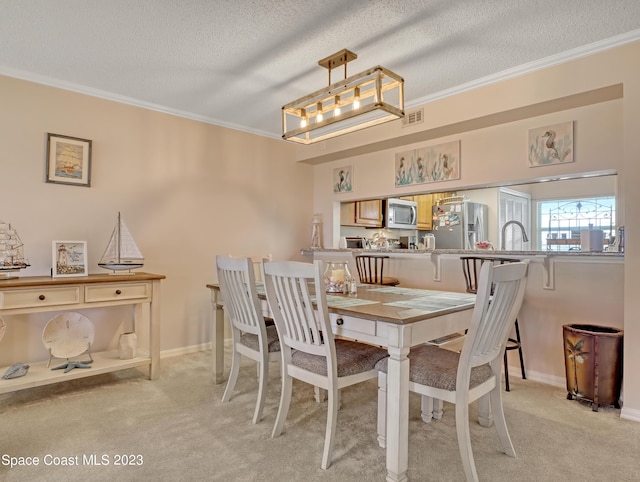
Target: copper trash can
{"points": [[593, 363]]}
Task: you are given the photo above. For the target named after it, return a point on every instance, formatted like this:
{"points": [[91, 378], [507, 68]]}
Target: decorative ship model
{"points": [[11, 251], [122, 253]]}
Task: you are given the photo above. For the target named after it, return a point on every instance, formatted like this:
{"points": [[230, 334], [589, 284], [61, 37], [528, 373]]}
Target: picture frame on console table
{"points": [[69, 259], [68, 160]]}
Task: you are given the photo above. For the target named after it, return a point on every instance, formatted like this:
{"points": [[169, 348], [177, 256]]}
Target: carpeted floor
{"points": [[124, 427]]}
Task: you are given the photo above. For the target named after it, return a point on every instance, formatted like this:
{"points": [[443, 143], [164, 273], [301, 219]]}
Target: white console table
{"points": [[37, 294]]}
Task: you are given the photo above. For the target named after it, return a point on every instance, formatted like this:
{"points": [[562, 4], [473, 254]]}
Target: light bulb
{"points": [[303, 118], [319, 115], [356, 98], [336, 102]]}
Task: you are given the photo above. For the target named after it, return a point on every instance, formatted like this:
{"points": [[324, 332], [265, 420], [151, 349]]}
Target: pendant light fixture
{"points": [[362, 100]]}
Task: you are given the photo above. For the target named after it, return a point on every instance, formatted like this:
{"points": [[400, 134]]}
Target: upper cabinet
{"points": [[425, 217], [370, 213], [425, 205], [362, 213]]}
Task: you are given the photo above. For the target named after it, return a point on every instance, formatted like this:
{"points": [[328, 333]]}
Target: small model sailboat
{"points": [[11, 251], [122, 253]]}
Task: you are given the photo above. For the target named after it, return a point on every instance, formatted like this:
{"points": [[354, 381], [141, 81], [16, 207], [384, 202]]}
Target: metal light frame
{"points": [[363, 100]]}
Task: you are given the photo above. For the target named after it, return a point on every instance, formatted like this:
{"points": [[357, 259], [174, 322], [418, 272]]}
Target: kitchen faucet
{"points": [[525, 238]]}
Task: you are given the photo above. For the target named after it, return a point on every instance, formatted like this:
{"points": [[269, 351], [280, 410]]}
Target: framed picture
{"points": [[428, 164], [343, 179], [551, 145], [68, 160], [69, 258]]}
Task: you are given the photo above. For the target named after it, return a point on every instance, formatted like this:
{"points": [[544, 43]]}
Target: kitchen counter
{"points": [[466, 252], [547, 258]]}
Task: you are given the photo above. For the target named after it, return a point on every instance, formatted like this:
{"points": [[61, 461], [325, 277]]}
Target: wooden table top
{"points": [[392, 304], [26, 281]]}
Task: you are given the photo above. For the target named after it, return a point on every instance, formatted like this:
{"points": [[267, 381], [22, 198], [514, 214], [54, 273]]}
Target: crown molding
{"points": [[557, 59], [560, 58]]}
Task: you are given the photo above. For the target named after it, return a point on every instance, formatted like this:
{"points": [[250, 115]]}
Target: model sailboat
{"points": [[122, 253], [11, 251]]}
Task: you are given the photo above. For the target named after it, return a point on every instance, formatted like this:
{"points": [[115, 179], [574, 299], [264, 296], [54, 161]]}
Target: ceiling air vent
{"points": [[414, 117]]}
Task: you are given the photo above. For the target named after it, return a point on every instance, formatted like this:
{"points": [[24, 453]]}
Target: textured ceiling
{"points": [[236, 62]]}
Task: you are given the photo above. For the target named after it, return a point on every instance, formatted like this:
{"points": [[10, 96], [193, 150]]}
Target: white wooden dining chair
{"points": [[257, 265], [310, 352], [462, 378], [249, 334]]}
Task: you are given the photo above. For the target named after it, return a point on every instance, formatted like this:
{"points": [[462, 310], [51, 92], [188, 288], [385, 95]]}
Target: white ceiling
{"points": [[236, 62]]}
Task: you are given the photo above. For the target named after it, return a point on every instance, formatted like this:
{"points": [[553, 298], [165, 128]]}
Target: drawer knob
{"points": [[41, 297], [339, 322], [118, 292]]}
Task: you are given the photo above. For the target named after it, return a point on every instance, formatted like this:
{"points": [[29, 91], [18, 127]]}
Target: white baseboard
{"points": [[185, 350], [630, 414], [626, 413], [539, 377]]}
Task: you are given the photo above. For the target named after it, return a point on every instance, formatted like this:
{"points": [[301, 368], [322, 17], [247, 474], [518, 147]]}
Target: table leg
{"points": [[217, 344], [398, 404]]}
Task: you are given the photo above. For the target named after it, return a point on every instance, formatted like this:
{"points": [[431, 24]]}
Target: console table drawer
{"points": [[129, 291], [29, 298]]}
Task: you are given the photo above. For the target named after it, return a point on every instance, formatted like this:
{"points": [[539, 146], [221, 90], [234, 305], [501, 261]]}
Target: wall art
{"points": [[428, 164], [69, 258], [551, 145], [68, 160], [343, 179]]}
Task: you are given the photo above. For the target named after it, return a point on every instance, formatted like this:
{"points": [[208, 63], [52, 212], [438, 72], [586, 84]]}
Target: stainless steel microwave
{"points": [[402, 214]]}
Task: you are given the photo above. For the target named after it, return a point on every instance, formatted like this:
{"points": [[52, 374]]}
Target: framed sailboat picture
{"points": [[68, 160], [122, 253], [69, 259]]}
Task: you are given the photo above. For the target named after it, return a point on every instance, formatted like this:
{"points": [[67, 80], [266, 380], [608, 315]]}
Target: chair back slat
{"points": [[471, 268], [287, 284], [494, 314], [238, 288], [370, 268]]}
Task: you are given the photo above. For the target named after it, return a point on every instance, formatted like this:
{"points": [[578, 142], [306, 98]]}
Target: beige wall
{"points": [[601, 94], [187, 191]]}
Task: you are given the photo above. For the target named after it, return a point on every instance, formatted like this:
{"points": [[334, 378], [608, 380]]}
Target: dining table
{"points": [[389, 316]]}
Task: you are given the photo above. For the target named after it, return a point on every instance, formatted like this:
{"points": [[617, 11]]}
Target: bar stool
{"points": [[371, 270], [471, 269]]}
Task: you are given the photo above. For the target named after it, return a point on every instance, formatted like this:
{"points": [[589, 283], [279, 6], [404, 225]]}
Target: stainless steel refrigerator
{"points": [[460, 225]]}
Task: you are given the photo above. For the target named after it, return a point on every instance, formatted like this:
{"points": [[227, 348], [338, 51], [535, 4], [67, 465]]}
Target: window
{"points": [[561, 221]]}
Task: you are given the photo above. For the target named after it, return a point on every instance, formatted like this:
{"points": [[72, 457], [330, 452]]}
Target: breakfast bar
{"points": [[548, 259], [562, 288]]}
